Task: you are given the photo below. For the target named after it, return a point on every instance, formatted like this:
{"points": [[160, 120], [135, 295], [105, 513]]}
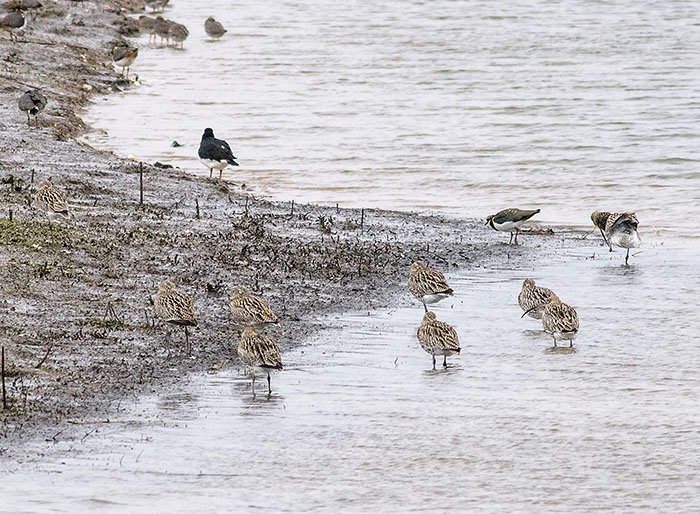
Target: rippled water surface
{"points": [[466, 107], [360, 422], [463, 107]]}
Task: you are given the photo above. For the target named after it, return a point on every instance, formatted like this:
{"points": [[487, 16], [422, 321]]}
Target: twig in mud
{"points": [[87, 434], [4, 392], [32, 179], [140, 183], [105, 422], [53, 437], [46, 356], [53, 43]]}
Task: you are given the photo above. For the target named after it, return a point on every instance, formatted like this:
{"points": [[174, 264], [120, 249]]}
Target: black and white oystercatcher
{"points": [[32, 102], [215, 153]]}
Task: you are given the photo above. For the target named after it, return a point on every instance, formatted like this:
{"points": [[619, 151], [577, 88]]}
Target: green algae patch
{"points": [[36, 235]]}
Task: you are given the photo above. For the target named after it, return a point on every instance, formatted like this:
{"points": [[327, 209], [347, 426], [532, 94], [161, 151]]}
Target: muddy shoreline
{"points": [[75, 313]]}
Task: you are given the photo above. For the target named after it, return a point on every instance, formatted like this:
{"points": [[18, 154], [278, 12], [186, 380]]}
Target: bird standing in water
{"points": [[259, 350], [437, 338], [427, 284], [619, 229], [532, 298]]}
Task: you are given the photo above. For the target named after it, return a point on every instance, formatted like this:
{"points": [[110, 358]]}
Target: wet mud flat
{"points": [[76, 317]]}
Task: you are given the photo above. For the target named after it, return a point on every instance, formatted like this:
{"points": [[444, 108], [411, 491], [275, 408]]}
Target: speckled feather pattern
{"points": [[560, 318], [618, 218], [51, 200], [534, 297], [174, 306], [257, 349], [423, 281], [437, 337], [250, 310]]}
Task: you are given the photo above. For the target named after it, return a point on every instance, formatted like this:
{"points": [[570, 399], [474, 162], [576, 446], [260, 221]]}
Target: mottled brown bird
{"points": [[618, 228], [52, 201], [250, 310], [510, 220], [427, 284], [261, 351], [559, 320], [175, 307], [532, 298], [437, 338]]}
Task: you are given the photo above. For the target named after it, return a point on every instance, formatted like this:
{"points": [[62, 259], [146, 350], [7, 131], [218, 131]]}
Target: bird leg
{"points": [[627, 256], [28, 123], [425, 306], [571, 344], [433, 361], [252, 385], [211, 170], [511, 238], [555, 341], [187, 343], [444, 362], [221, 173], [516, 237], [269, 391]]}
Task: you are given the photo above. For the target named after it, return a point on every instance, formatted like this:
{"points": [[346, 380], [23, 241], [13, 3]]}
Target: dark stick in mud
{"points": [[196, 201], [46, 356], [10, 215], [141, 183], [4, 393]]}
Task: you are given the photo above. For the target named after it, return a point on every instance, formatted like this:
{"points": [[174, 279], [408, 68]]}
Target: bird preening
{"points": [[619, 229], [215, 153]]}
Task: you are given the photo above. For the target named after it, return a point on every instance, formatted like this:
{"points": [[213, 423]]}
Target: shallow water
{"points": [[567, 106], [359, 421]]}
